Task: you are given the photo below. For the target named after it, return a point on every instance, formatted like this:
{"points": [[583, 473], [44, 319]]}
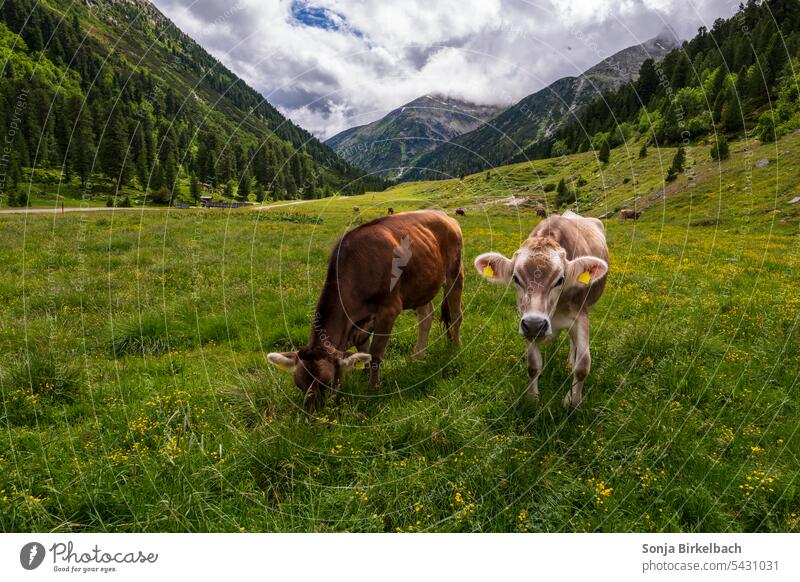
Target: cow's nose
{"points": [[532, 327]]}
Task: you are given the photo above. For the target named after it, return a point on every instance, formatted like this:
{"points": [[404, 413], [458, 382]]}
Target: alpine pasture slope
{"points": [[137, 396]]}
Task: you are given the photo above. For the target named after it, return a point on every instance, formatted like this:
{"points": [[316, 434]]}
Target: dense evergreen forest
{"points": [[110, 98], [739, 76]]}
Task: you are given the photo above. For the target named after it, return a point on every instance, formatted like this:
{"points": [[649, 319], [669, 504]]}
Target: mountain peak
{"points": [[667, 39], [391, 143], [537, 115]]}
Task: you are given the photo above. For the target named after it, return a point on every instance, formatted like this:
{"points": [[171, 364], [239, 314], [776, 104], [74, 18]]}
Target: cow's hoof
{"points": [[570, 402], [532, 396], [417, 356]]}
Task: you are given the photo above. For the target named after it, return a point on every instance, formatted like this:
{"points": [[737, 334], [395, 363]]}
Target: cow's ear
{"points": [[585, 271], [494, 266], [358, 360], [284, 360]]}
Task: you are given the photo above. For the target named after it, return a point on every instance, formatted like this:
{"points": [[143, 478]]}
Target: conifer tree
{"points": [[243, 191], [82, 148], [720, 149], [647, 84], [605, 152], [194, 188], [677, 164], [114, 150]]}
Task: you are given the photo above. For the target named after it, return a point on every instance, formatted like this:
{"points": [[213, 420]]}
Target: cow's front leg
{"points": [[571, 359], [425, 321], [363, 346], [361, 334], [534, 369], [384, 322], [581, 359], [336, 391]]}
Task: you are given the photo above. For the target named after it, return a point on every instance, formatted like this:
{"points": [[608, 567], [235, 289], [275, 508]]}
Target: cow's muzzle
{"points": [[533, 327]]}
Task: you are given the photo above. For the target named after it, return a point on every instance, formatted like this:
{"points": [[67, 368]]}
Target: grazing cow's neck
{"points": [[330, 326]]}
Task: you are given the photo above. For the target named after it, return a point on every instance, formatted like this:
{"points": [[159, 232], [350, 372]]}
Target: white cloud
{"points": [[353, 61]]}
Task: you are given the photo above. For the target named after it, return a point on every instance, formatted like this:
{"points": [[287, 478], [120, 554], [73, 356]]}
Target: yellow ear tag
{"points": [[359, 366], [585, 277], [488, 271], [285, 366]]}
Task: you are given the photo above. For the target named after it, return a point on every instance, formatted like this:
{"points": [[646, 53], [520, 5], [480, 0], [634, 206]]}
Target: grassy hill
{"points": [[733, 194], [137, 396]]}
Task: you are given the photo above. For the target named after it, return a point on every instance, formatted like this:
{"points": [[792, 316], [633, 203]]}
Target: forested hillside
{"points": [[740, 75], [111, 97], [535, 116]]}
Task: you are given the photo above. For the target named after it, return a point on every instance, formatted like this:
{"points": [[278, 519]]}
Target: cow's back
{"points": [[579, 236], [405, 258]]}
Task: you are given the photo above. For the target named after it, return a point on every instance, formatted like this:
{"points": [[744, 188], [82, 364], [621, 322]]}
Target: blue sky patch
{"points": [[315, 16], [307, 14]]}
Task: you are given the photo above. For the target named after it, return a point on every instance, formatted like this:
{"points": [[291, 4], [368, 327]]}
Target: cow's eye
{"points": [[559, 281], [516, 280]]}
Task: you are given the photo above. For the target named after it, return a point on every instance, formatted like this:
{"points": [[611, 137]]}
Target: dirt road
{"points": [[108, 209]]}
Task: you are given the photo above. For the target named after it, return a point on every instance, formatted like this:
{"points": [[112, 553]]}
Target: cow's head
{"points": [[541, 274], [316, 369]]}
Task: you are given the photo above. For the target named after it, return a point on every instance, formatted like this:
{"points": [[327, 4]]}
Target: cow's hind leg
{"points": [[534, 369], [425, 321], [452, 311], [581, 359], [384, 322]]}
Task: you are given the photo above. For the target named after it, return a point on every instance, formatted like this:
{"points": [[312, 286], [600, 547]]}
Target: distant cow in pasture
{"points": [[390, 210], [541, 212], [356, 209], [558, 273], [628, 214], [375, 271], [460, 212]]}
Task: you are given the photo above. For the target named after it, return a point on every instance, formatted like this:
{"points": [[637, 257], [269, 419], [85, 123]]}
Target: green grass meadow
{"points": [[136, 394]]}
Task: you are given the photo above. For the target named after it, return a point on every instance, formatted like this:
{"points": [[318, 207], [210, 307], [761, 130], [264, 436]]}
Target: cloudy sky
{"points": [[333, 64]]}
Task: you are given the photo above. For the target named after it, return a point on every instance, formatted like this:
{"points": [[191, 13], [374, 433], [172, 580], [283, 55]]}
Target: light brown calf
{"points": [[558, 273]]}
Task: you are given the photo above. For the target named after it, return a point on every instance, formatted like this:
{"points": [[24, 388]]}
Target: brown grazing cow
{"points": [[460, 212], [541, 212], [390, 210], [558, 273], [356, 209], [376, 271], [630, 214]]}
